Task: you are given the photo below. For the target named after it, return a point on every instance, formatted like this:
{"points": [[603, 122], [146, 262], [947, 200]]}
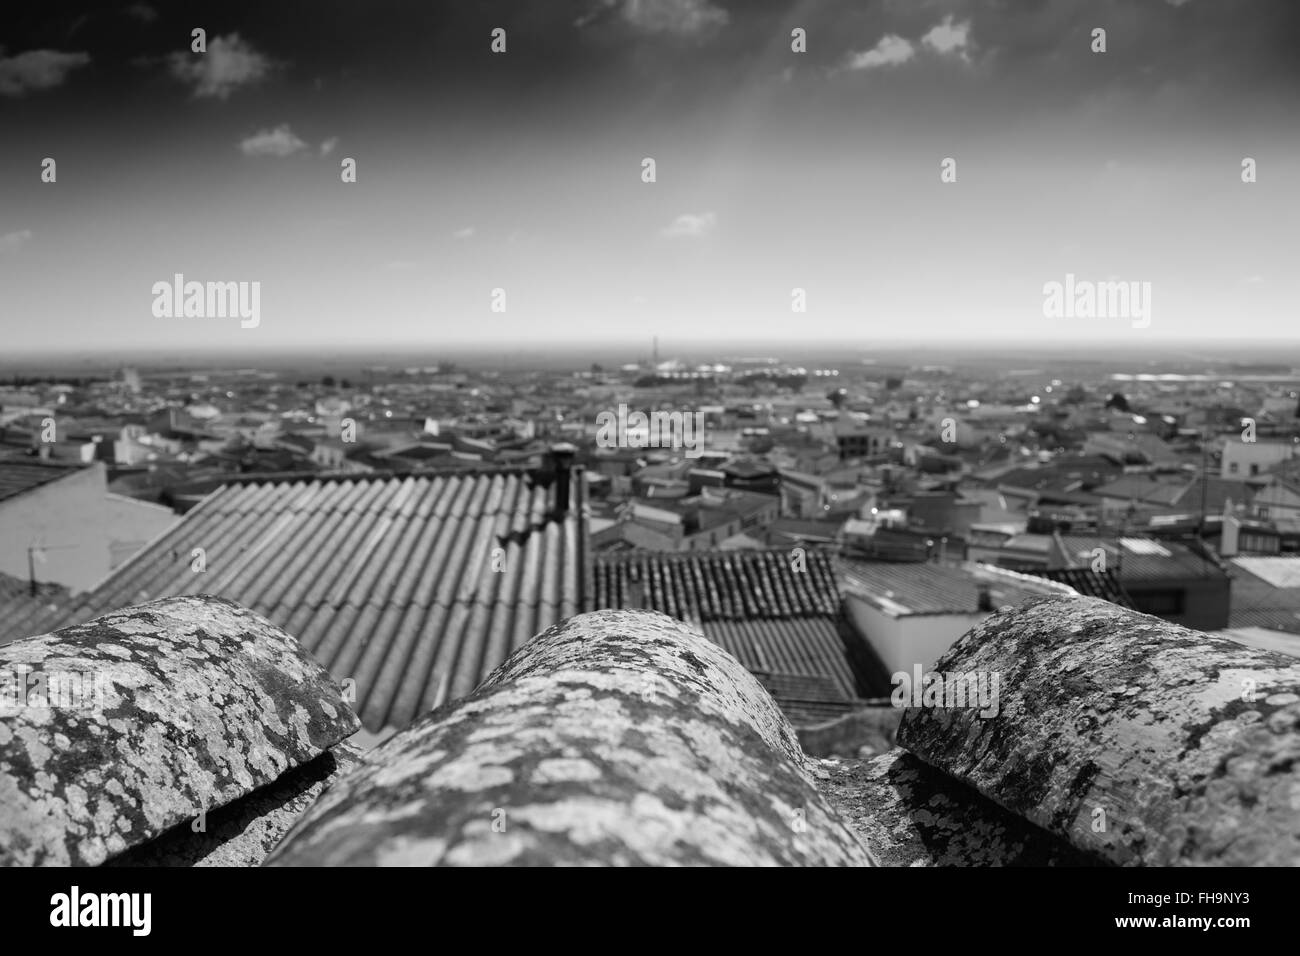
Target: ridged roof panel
{"points": [[395, 583]]}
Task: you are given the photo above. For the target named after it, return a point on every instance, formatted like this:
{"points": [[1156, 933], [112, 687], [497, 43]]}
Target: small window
{"points": [[1159, 602], [1233, 468]]}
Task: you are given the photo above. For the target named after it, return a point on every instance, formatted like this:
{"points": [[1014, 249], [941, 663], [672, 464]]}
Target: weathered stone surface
{"points": [[186, 704], [1137, 740], [243, 833], [910, 814], [614, 738]]}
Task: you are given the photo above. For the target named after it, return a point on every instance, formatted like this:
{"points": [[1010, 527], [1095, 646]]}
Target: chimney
{"points": [[562, 460], [985, 600], [1230, 543]]}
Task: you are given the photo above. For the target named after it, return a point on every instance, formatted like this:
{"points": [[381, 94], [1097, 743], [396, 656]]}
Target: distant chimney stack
{"points": [[1230, 542], [562, 460], [985, 600]]}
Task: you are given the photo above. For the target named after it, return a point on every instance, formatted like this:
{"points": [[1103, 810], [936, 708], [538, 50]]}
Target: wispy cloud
{"points": [[36, 70], [465, 233], [279, 142], [690, 226], [892, 50], [229, 64], [13, 241], [686, 18], [142, 12], [328, 145]]}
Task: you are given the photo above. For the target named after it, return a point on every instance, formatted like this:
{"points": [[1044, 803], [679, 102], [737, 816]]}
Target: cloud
{"points": [[690, 226], [13, 241], [36, 70], [892, 50], [465, 233], [678, 17], [947, 37], [229, 64], [142, 12], [279, 142], [328, 145]]}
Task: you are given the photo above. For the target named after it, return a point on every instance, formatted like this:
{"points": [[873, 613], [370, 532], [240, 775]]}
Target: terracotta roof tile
{"points": [[783, 624]]}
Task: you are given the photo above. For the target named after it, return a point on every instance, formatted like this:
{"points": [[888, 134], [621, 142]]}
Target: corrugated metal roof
{"points": [[395, 583]]}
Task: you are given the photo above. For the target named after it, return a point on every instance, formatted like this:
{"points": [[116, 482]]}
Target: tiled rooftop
{"points": [[1100, 584], [783, 624], [712, 586], [914, 588], [1137, 558], [20, 473], [1142, 488], [1065, 473], [391, 582], [1178, 493], [1266, 593]]}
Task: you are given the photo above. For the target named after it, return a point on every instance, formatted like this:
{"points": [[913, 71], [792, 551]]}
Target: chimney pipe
{"points": [[562, 460], [985, 600]]}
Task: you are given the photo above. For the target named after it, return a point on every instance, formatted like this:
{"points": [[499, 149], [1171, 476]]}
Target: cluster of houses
{"points": [[831, 532]]}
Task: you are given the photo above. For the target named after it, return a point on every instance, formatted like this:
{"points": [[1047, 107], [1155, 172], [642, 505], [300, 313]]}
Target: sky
{"points": [[523, 171]]}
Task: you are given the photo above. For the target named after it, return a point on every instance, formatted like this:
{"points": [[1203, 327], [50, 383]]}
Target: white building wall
{"points": [[907, 640], [82, 531], [1239, 456]]}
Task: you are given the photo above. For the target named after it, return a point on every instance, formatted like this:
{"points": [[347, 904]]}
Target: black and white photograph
{"points": [[651, 433]]}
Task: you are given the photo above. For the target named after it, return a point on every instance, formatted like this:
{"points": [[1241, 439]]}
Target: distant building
{"points": [[1132, 448], [856, 439], [912, 613], [60, 522], [698, 523], [1242, 459], [1278, 498], [1180, 582], [1266, 595]]}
